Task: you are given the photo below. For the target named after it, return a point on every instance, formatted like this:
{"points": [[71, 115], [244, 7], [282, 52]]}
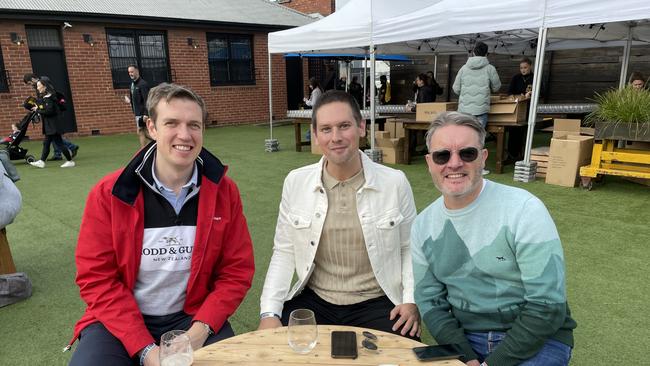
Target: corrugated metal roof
{"points": [[260, 12]]}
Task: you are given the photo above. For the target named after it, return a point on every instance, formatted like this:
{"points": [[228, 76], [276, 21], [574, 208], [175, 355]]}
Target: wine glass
{"points": [[175, 349], [302, 332]]}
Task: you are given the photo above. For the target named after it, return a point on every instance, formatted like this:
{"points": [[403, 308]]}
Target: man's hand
{"points": [[270, 322], [473, 363], [127, 99], [198, 335], [408, 317], [153, 357]]}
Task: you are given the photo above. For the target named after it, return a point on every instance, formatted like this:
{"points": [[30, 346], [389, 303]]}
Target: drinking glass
{"points": [[175, 349], [303, 332]]}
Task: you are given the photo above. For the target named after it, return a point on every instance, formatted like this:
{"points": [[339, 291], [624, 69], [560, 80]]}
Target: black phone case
{"points": [[344, 344]]}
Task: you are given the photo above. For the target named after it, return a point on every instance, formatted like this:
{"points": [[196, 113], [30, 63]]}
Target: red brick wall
{"points": [[99, 106], [324, 7]]}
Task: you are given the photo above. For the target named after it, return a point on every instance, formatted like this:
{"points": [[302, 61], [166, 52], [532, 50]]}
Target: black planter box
{"points": [[623, 131]]}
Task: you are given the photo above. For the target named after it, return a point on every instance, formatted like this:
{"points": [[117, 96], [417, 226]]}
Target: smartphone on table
{"points": [[439, 352], [344, 344]]}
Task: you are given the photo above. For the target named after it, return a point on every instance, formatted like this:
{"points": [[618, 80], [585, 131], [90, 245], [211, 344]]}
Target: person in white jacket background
{"points": [[343, 229]]}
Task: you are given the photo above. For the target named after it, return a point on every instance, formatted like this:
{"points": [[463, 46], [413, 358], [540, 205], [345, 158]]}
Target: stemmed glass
{"points": [[302, 332], [175, 349]]}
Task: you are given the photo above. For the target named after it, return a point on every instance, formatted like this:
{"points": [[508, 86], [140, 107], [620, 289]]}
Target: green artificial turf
{"points": [[604, 232]]}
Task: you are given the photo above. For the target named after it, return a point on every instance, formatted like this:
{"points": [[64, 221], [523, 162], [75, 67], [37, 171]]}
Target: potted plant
{"points": [[622, 114]]}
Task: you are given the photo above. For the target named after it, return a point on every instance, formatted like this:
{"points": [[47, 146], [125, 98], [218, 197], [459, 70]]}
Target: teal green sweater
{"points": [[495, 265]]}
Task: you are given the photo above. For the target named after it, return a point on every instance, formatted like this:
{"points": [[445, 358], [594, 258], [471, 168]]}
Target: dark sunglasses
{"points": [[369, 341], [468, 155]]}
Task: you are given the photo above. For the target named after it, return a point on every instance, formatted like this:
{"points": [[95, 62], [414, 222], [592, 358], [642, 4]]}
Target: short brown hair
{"points": [[332, 96], [526, 60], [455, 119], [167, 92]]}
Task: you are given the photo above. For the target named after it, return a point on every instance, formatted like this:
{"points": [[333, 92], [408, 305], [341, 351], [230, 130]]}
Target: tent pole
{"points": [[270, 99], [537, 81], [622, 80], [347, 76], [365, 75], [435, 66], [372, 96]]}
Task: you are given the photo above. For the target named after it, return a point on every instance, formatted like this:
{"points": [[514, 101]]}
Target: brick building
{"points": [[219, 49], [322, 7]]}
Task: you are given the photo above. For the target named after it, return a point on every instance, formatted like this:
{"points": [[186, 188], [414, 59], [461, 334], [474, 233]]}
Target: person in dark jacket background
{"points": [[138, 100], [48, 109]]}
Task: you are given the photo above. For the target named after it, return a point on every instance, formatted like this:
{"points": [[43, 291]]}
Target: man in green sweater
{"points": [[487, 259]]}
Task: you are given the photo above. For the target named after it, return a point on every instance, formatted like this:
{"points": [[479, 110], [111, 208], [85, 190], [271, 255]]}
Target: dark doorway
{"points": [[294, 82], [48, 59]]}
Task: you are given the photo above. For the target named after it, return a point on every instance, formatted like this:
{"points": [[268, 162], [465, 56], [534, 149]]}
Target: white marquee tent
{"points": [[451, 26]]}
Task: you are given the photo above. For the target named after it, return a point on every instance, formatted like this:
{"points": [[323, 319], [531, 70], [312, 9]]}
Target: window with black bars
{"points": [[146, 49], [4, 84], [230, 58]]}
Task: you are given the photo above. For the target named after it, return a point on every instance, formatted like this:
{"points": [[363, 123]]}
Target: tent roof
{"points": [[413, 27]]}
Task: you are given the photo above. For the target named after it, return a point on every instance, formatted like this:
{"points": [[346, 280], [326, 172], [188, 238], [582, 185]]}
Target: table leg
{"points": [[297, 132], [407, 145], [500, 137], [6, 261]]}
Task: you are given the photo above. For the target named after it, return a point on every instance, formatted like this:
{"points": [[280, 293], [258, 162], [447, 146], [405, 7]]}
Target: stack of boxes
{"points": [[540, 156], [391, 142]]}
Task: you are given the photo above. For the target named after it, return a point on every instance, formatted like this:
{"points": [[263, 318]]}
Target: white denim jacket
{"points": [[386, 210]]}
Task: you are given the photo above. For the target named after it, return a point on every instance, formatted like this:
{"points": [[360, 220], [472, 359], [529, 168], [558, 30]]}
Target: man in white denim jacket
{"points": [[343, 228]]}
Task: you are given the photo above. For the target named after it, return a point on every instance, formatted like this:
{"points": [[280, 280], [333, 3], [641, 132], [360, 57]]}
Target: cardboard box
{"points": [[564, 127], [567, 155], [426, 112], [392, 149], [396, 129], [508, 111], [315, 149]]}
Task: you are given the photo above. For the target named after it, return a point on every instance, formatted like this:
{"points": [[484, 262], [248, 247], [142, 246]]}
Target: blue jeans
{"points": [[553, 353], [482, 118]]}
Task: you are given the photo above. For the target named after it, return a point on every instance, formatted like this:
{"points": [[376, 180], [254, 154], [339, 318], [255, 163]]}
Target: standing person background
{"points": [[48, 109], [435, 87], [520, 86], [384, 90], [31, 79], [138, 99], [474, 83], [315, 91], [356, 90]]}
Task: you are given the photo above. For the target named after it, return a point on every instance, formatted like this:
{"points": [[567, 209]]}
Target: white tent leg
{"points": [[537, 82], [365, 75], [270, 99], [347, 76], [435, 67], [622, 80], [372, 97]]}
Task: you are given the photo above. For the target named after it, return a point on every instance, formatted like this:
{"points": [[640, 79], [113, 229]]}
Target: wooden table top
{"points": [[269, 347]]}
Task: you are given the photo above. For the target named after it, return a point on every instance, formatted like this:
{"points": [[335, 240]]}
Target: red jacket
{"points": [[110, 243]]}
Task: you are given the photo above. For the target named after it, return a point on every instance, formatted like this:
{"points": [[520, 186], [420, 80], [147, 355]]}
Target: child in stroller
{"points": [[12, 143]]}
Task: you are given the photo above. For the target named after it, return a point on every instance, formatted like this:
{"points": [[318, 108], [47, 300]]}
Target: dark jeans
{"points": [[553, 353], [57, 141], [98, 347], [373, 313], [69, 145]]}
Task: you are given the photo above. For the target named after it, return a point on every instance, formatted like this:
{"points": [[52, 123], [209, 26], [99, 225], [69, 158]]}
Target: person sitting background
{"points": [[13, 135], [637, 80]]}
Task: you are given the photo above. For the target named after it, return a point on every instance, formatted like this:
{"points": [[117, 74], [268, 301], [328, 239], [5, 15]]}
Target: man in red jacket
{"points": [[163, 243]]}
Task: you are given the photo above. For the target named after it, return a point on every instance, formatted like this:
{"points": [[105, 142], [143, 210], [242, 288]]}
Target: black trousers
{"points": [[372, 314], [98, 347], [58, 141]]}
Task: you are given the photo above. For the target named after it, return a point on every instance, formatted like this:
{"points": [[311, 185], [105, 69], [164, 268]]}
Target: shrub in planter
{"points": [[622, 114]]}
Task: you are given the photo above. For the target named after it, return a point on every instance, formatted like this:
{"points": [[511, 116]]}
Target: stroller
{"points": [[15, 151]]}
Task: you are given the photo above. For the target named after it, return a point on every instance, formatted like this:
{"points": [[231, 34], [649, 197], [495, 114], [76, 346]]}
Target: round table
{"points": [[269, 347]]}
